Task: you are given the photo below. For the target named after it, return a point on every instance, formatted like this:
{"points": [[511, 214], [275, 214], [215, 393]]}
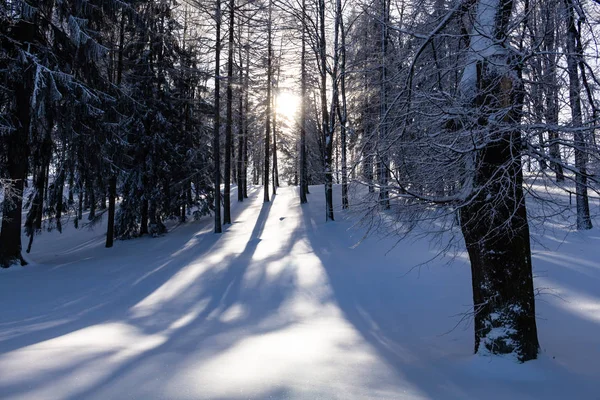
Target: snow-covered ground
{"points": [[281, 306]]}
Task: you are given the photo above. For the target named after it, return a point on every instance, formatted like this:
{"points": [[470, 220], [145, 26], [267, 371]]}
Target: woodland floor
{"points": [[282, 306]]}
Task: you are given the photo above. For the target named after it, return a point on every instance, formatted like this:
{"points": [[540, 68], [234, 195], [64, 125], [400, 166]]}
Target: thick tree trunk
{"points": [[497, 237], [494, 222], [16, 168]]}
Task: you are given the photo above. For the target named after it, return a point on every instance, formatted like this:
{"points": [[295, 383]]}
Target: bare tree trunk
{"points": [[497, 232], [112, 194], [241, 178], [275, 171], [583, 209], [551, 87], [217, 120], [327, 132], [229, 123], [343, 113], [268, 112], [382, 162], [246, 111], [303, 78], [16, 167]]}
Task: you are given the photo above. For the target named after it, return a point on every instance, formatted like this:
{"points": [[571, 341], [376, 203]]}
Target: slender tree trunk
{"points": [[382, 159], [217, 121], [583, 209], [112, 194], [92, 199], [58, 192], [328, 134], [268, 112], [303, 78], [112, 180], [552, 89], [144, 215], [241, 178], [246, 111], [275, 171], [342, 108], [229, 123]]}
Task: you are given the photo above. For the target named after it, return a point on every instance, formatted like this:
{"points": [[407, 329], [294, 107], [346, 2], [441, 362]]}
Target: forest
{"points": [[143, 140]]}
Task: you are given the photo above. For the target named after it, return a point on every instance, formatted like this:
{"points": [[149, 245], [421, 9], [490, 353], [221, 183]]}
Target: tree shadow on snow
{"points": [[411, 337]]}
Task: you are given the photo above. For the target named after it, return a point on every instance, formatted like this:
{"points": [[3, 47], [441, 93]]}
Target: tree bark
{"points": [[573, 55], [268, 111], [16, 167], [551, 88], [217, 121], [328, 134], [494, 221], [112, 194], [229, 123], [303, 79]]}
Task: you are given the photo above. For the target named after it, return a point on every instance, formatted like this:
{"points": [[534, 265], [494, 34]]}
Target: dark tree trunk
{"points": [[573, 54], [494, 222], [241, 178], [112, 194], [144, 217], [80, 201], [92, 200], [303, 83], [328, 134], [229, 123], [58, 197], [246, 111], [240, 131], [16, 168], [342, 108], [268, 112], [275, 171], [382, 159], [552, 88], [217, 121], [497, 238]]}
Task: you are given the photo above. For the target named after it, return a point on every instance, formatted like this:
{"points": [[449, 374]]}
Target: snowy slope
{"points": [[281, 306]]}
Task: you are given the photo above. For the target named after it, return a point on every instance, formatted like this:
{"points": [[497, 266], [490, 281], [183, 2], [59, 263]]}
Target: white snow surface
{"points": [[281, 306]]}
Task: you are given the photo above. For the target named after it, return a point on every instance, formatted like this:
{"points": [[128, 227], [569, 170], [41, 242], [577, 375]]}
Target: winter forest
{"points": [[299, 199]]}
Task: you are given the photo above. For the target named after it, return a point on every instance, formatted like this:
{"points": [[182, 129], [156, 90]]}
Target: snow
{"points": [[483, 45], [282, 305]]}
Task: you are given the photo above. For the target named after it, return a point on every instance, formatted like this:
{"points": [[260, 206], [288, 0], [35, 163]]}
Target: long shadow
{"points": [[437, 377], [222, 294], [96, 303]]}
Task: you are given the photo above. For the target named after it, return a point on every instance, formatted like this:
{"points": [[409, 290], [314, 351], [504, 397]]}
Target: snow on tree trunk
{"points": [[494, 221]]}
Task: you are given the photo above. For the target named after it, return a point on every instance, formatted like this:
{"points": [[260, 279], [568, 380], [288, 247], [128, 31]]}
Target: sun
{"points": [[287, 104]]}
